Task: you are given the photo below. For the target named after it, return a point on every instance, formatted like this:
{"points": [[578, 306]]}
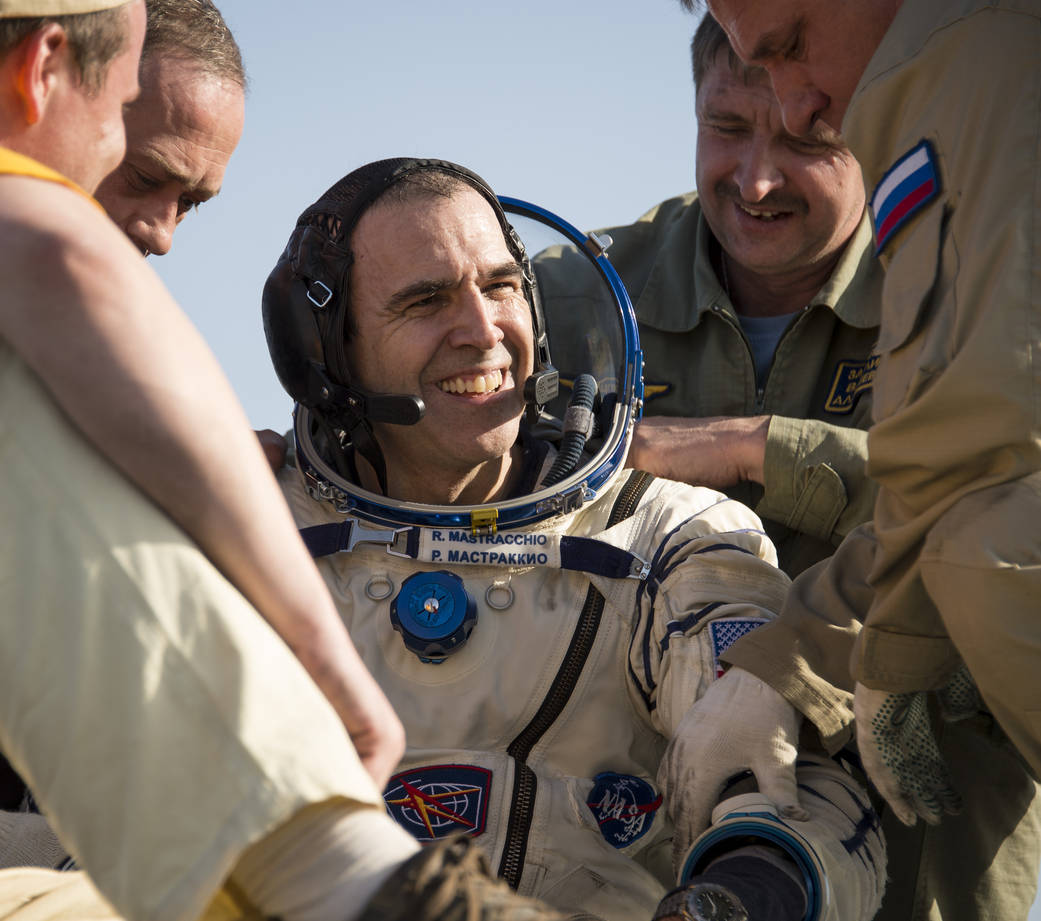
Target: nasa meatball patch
{"points": [[440, 800], [623, 806]]}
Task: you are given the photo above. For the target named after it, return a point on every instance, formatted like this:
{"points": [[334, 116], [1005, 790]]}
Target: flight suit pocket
{"points": [[910, 316]]}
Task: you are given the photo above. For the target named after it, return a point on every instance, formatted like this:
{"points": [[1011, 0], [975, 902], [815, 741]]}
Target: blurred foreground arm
{"points": [[129, 369]]}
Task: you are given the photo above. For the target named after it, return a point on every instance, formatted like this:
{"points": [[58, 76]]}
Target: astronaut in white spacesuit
{"points": [[540, 617]]}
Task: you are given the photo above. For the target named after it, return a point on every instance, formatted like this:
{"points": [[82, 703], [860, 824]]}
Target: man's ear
{"points": [[43, 59]]}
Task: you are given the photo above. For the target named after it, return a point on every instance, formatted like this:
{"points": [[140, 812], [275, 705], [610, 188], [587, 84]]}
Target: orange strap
{"points": [[16, 164]]}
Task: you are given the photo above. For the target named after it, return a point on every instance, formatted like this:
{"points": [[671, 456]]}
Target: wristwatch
{"points": [[701, 902]]}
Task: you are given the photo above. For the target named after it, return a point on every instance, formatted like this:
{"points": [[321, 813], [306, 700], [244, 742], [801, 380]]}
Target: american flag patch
{"points": [[911, 183], [727, 632]]}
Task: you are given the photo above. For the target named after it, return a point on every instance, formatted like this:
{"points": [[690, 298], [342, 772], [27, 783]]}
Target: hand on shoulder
{"points": [[716, 451]]}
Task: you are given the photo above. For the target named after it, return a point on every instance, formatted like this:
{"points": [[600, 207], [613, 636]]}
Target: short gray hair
{"points": [[195, 31]]}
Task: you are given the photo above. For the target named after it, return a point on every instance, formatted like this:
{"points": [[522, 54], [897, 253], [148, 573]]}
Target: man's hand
{"points": [[378, 736], [335, 666], [718, 451], [740, 723], [898, 748], [275, 448]]}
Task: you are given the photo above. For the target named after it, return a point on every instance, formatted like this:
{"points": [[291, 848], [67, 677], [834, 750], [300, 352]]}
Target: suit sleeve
{"points": [[713, 578], [805, 653]]}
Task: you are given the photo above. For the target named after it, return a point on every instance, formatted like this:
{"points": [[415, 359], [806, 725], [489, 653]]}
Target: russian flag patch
{"points": [[910, 184]]}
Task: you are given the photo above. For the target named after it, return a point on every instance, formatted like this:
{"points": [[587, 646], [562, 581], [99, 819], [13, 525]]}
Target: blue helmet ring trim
{"points": [[634, 368], [573, 491], [564, 497], [767, 826]]}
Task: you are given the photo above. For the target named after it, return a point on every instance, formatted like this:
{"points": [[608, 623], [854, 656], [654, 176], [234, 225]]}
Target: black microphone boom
{"points": [[393, 408]]}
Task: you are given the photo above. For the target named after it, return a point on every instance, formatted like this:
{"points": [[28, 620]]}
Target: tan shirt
{"points": [[697, 362], [110, 609], [957, 393]]}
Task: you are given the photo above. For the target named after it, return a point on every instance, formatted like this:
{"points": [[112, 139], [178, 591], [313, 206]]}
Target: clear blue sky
{"points": [[582, 106]]}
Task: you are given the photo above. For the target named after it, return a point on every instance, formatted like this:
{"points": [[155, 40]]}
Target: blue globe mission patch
{"points": [[439, 800]]}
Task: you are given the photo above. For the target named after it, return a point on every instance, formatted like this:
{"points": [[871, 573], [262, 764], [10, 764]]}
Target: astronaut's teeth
{"points": [[482, 383]]}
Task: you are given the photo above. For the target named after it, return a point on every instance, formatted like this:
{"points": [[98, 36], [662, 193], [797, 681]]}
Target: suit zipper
{"points": [[522, 806]]}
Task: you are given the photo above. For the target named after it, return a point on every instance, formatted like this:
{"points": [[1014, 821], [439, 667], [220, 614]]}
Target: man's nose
{"points": [[153, 232], [477, 320], [801, 102], [757, 174]]}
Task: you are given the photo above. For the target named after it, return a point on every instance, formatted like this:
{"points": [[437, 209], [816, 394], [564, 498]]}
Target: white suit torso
{"points": [[557, 710]]}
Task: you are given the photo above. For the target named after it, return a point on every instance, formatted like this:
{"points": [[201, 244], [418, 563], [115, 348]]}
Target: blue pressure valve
{"points": [[434, 613]]}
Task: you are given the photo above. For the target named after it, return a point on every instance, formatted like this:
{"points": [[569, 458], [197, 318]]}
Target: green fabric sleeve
{"points": [[815, 481]]}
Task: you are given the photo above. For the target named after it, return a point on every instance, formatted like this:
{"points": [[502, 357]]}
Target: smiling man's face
{"points": [[438, 308], [777, 203]]}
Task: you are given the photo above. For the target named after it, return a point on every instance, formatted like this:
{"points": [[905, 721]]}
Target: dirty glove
{"points": [[959, 698], [898, 747], [739, 724]]}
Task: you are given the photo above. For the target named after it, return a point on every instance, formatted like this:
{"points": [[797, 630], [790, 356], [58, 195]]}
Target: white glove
{"points": [[26, 840], [898, 748], [740, 723]]}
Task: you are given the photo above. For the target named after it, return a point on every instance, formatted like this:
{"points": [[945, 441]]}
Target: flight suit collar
{"points": [[669, 300], [854, 289]]}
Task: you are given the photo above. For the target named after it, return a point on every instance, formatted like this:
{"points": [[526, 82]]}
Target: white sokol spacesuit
{"points": [[542, 651]]}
